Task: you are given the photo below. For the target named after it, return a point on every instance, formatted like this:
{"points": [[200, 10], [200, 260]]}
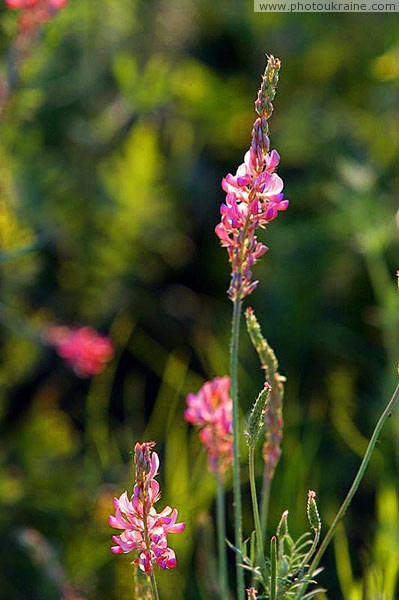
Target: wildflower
{"points": [[254, 194], [211, 411], [145, 531], [85, 350]]}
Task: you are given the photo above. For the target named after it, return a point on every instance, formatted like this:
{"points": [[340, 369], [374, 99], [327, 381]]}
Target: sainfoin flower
{"points": [[145, 532], [85, 350], [211, 411], [254, 194]]}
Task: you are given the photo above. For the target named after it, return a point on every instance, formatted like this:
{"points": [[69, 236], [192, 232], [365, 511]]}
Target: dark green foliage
{"points": [[288, 562]]}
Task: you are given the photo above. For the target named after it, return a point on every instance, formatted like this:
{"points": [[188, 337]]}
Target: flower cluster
{"points": [[211, 411], [145, 530], [254, 194], [85, 350], [33, 14]]}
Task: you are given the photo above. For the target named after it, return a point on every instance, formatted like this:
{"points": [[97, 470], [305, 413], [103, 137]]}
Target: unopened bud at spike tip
{"points": [[282, 529], [263, 104], [312, 511], [256, 417]]}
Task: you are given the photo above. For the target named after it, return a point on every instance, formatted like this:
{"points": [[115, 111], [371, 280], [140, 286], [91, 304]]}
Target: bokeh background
{"points": [[126, 116]]}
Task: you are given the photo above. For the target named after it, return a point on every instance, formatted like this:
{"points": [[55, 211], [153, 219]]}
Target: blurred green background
{"points": [[127, 115]]}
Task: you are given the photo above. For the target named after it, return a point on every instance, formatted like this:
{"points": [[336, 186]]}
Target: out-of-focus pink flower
{"points": [[145, 531], [30, 4], [85, 350], [254, 195], [211, 411], [19, 4], [33, 14]]}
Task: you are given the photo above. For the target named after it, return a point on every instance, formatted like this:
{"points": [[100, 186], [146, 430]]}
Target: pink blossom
{"points": [[85, 350], [254, 195], [211, 411], [145, 531]]}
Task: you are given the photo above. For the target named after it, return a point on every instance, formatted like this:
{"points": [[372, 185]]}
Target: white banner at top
{"points": [[326, 6]]}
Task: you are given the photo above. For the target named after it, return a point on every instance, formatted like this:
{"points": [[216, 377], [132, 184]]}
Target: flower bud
{"points": [[256, 418], [313, 513]]}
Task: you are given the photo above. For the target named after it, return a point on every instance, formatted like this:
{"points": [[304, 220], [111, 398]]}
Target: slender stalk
{"points": [[273, 568], [221, 534], [235, 335], [264, 503], [255, 508], [154, 587], [356, 482]]}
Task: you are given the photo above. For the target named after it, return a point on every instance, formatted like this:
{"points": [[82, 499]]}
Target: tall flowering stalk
{"points": [[211, 411], [254, 198], [145, 532]]}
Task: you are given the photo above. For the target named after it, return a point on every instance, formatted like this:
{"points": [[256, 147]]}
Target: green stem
{"points": [[154, 587], [153, 581], [235, 335], [255, 508], [221, 534], [273, 568], [264, 504], [359, 476], [382, 283]]}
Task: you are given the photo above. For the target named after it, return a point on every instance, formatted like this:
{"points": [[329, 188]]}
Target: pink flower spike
{"points": [[145, 532], [257, 192], [211, 411]]}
